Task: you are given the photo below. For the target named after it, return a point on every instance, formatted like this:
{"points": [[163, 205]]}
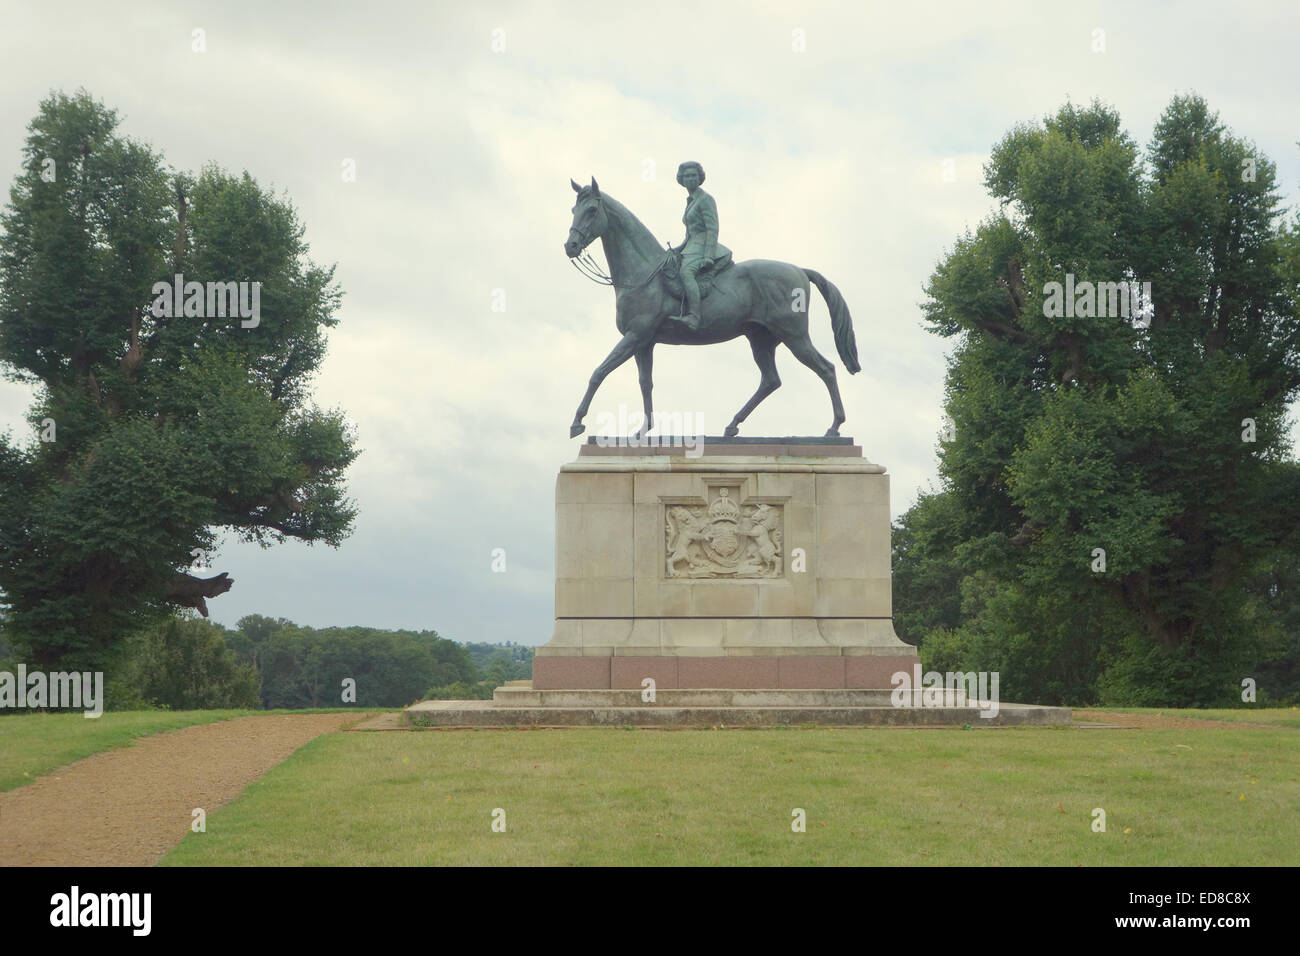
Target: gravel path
{"points": [[129, 806]]}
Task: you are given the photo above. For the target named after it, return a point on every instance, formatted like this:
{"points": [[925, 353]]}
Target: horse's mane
{"points": [[643, 234]]}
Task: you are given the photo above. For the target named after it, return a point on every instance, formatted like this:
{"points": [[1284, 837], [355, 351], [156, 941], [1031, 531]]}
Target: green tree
{"points": [[1100, 508], [453, 661], [184, 664], [499, 668], [6, 651], [925, 576], [306, 667], [1278, 587], [159, 432], [390, 668], [281, 659], [251, 634], [512, 661]]}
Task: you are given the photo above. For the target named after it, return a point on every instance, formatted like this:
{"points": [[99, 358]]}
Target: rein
{"points": [[592, 270], [588, 266]]}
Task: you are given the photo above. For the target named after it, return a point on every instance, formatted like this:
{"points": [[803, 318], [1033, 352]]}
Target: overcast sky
{"points": [[466, 122]]}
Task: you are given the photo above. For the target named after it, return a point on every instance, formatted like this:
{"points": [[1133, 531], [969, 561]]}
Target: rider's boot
{"points": [[692, 316]]}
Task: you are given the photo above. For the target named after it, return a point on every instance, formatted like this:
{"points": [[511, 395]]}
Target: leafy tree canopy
{"points": [[151, 433], [1118, 491]]}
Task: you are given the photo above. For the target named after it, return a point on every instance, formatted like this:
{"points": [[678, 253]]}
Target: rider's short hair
{"points": [[690, 164]]}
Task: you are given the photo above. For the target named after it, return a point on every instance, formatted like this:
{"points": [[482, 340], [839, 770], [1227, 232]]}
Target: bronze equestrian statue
{"points": [[764, 300]]}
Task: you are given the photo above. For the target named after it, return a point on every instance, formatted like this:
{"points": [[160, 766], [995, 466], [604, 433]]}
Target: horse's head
{"points": [[589, 219]]}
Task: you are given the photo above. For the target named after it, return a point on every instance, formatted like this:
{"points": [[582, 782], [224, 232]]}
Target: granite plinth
{"points": [[822, 671], [763, 563]]}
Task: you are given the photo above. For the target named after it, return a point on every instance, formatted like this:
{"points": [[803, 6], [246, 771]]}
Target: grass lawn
{"points": [[33, 744], [1198, 797]]}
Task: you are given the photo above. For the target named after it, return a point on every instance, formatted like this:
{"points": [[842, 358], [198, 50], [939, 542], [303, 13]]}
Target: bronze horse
{"points": [[764, 300]]}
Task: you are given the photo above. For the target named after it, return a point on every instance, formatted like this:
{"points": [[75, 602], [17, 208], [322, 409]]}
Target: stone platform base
{"points": [[770, 671], [705, 707]]}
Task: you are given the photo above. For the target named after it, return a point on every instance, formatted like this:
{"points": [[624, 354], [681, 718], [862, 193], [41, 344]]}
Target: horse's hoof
{"points": [[731, 431], [575, 430], [833, 432]]}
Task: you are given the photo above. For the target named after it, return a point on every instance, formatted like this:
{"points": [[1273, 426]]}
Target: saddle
{"points": [[672, 272]]}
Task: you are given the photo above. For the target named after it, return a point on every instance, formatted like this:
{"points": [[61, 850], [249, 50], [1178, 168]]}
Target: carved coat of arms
{"points": [[724, 539]]}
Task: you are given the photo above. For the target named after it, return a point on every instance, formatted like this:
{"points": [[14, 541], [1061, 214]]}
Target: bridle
{"points": [[588, 266]]}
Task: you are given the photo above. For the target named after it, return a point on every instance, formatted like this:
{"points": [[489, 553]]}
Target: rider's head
{"points": [[689, 165]]}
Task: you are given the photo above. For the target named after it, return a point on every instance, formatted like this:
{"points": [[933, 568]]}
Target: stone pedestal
{"points": [[750, 563]]}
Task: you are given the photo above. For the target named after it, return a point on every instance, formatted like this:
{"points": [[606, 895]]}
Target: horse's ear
{"points": [[595, 190], [576, 187]]}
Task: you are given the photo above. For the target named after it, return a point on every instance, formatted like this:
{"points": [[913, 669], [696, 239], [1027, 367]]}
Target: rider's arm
{"points": [[708, 214]]}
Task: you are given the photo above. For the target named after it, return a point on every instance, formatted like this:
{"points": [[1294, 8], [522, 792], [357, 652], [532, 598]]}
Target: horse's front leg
{"points": [[627, 346], [644, 368]]}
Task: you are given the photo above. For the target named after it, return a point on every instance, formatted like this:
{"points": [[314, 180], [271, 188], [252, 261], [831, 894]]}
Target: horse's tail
{"points": [[841, 321]]}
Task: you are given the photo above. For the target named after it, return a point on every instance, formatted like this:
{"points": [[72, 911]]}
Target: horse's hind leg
{"points": [[763, 344], [807, 353]]}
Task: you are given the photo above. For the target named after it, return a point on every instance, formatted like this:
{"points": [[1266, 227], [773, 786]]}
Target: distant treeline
{"points": [[188, 663]]}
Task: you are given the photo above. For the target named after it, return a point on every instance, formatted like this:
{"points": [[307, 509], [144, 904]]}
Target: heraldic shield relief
{"points": [[725, 539]]}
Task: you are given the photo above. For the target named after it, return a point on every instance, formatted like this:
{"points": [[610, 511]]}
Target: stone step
{"points": [[707, 697], [482, 713]]}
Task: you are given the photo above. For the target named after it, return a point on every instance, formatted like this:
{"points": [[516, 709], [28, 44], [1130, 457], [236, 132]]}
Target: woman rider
{"points": [[700, 248]]}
